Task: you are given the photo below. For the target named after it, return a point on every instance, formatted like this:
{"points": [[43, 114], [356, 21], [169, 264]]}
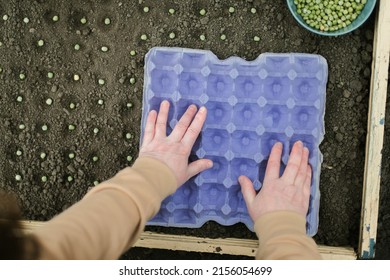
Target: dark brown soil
{"points": [[349, 59]]}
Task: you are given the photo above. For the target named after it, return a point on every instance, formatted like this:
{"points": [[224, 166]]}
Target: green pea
{"points": [[71, 127]]}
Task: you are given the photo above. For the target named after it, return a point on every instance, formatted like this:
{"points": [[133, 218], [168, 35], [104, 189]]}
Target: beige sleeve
{"points": [[282, 236], [110, 218]]}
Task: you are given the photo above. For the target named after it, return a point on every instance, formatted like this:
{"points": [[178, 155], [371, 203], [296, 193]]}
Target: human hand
{"points": [[290, 192], [174, 150]]}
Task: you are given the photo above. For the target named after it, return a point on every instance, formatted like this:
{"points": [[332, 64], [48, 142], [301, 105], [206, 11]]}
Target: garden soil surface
{"points": [[24, 111]]}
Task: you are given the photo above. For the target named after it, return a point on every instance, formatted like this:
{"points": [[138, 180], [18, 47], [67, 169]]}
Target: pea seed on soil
{"points": [[120, 26]]}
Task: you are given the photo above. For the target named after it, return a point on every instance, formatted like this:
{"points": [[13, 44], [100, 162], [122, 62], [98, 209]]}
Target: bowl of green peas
{"points": [[331, 17]]}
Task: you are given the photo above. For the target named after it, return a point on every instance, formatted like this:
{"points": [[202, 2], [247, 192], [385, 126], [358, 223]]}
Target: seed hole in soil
{"points": [[76, 19], [70, 103], [107, 21], [51, 17]]}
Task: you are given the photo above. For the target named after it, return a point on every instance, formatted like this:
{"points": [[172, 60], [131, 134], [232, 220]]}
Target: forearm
{"points": [[111, 217], [282, 236]]}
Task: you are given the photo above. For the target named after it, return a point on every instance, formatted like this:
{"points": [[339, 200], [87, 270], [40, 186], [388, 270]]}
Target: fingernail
{"points": [[210, 164], [299, 143], [279, 144], [202, 109]]}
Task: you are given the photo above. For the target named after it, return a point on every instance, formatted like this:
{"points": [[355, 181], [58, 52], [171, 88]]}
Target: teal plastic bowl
{"points": [[366, 12]]}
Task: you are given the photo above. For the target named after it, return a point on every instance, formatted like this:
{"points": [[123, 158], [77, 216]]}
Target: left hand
{"points": [[174, 150]]}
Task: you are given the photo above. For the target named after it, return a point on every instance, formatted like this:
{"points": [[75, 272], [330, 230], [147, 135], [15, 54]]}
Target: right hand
{"points": [[290, 192]]}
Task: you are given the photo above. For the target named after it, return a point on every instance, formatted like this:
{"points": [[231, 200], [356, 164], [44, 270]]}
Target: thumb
{"points": [[198, 166], [247, 189]]}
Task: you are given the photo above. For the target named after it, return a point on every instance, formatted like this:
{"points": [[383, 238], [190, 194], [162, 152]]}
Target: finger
{"points": [[307, 184], [162, 117], [150, 127], [247, 189], [182, 126], [293, 163], [198, 166], [273, 166], [302, 172], [194, 129]]}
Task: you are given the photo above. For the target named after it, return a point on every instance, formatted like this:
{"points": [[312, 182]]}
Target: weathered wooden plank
{"points": [[230, 246], [375, 132]]}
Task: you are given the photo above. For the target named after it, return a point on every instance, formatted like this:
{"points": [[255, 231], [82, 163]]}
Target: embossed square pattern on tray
{"points": [[251, 105]]}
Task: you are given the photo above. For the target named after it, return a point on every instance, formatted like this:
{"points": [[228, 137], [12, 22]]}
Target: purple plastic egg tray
{"points": [[251, 105]]}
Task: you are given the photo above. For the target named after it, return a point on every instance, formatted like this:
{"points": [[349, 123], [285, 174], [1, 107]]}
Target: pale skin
{"points": [[289, 192], [175, 149]]}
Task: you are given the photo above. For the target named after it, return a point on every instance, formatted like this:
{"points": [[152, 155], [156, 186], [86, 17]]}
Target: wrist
{"points": [[160, 175], [277, 223]]}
